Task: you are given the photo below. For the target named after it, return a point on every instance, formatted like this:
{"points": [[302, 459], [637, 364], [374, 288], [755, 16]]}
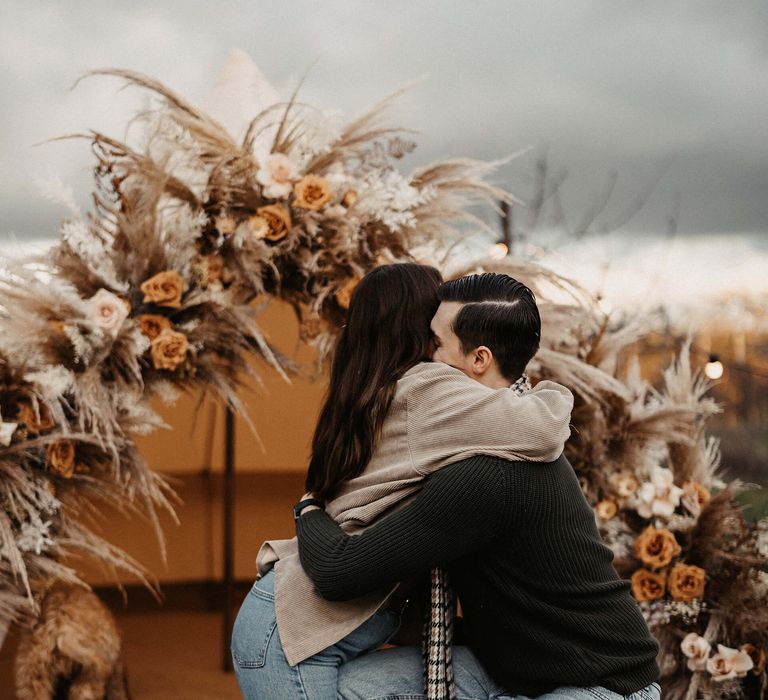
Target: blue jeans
{"points": [[261, 668], [397, 674]]}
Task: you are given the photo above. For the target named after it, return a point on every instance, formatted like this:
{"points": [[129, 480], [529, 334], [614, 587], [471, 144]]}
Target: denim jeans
{"points": [[261, 667], [397, 674]]}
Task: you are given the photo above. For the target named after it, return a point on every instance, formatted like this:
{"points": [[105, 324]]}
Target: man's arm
{"points": [[459, 510]]}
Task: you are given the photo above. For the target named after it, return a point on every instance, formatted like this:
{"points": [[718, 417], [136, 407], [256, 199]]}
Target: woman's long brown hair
{"points": [[387, 333]]}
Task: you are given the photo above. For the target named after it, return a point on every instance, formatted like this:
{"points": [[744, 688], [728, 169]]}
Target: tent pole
{"points": [[228, 533]]}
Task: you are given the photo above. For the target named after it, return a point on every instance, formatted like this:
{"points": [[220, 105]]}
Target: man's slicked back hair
{"points": [[498, 312]]}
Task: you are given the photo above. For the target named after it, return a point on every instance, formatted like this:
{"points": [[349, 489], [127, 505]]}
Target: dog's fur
{"points": [[72, 651]]}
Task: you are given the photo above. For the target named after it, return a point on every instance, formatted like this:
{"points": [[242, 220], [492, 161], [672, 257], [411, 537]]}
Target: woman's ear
{"points": [[482, 360]]}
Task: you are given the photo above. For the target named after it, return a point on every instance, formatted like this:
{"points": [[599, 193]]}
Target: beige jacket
{"points": [[438, 416]]}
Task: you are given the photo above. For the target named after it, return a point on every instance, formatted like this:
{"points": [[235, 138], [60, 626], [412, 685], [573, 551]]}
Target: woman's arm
{"points": [[451, 415], [459, 510]]}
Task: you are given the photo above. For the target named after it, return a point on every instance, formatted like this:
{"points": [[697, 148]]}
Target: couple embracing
{"points": [[433, 457]]}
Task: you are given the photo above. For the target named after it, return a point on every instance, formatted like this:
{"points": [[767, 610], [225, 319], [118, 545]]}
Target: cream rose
{"points": [[277, 176], [696, 649], [108, 311], [729, 663]]}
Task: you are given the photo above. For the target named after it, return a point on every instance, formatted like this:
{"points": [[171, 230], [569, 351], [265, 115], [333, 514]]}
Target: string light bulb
{"points": [[714, 368], [498, 251]]}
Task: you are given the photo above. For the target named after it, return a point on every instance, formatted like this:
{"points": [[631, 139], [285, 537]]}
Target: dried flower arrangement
{"points": [[154, 293]]}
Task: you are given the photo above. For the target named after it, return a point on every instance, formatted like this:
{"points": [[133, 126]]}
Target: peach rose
{"points": [[277, 175], [349, 198], [61, 458], [108, 311], [647, 585], [344, 295], [757, 656], [625, 483], [34, 424], [169, 349], [152, 325], [686, 582], [728, 663], [606, 509], [164, 289], [656, 548], [696, 649], [311, 192], [278, 220]]}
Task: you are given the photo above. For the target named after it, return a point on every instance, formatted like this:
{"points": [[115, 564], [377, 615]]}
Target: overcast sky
{"points": [[612, 84]]}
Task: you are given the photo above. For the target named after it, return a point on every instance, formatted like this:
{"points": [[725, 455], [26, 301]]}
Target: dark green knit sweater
{"points": [[543, 606]]}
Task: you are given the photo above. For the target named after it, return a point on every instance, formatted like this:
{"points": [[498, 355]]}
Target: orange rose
{"points": [[34, 424], [152, 325], [169, 349], [278, 219], [349, 198], [164, 289], [647, 585], [344, 295], [656, 548], [606, 509], [311, 192], [686, 582], [61, 458]]}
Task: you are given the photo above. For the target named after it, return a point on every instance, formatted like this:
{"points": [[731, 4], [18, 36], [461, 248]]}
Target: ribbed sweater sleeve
{"points": [[459, 510]]}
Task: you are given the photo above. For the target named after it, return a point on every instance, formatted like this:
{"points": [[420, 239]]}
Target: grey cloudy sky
{"points": [[603, 84]]}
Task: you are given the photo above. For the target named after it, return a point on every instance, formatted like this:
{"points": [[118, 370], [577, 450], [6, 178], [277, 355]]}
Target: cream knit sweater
{"points": [[438, 416]]}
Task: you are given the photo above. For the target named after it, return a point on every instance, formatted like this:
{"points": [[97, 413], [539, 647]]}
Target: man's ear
{"points": [[482, 359]]}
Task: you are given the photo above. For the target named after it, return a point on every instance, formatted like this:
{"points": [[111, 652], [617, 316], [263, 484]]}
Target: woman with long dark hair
{"points": [[390, 418]]}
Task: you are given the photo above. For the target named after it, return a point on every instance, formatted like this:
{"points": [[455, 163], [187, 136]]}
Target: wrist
{"points": [[305, 505]]}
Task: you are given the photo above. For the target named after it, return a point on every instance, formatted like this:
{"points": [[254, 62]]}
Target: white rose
{"points": [[697, 649], [108, 311], [277, 176], [729, 663]]}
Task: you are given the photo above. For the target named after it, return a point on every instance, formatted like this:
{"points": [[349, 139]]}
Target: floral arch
{"points": [[153, 292]]}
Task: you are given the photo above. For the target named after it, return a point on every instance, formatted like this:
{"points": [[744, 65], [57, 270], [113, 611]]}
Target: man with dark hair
{"points": [[488, 326], [546, 615]]}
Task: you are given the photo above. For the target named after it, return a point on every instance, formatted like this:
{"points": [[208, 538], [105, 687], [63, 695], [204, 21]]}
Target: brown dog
{"points": [[72, 651]]}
